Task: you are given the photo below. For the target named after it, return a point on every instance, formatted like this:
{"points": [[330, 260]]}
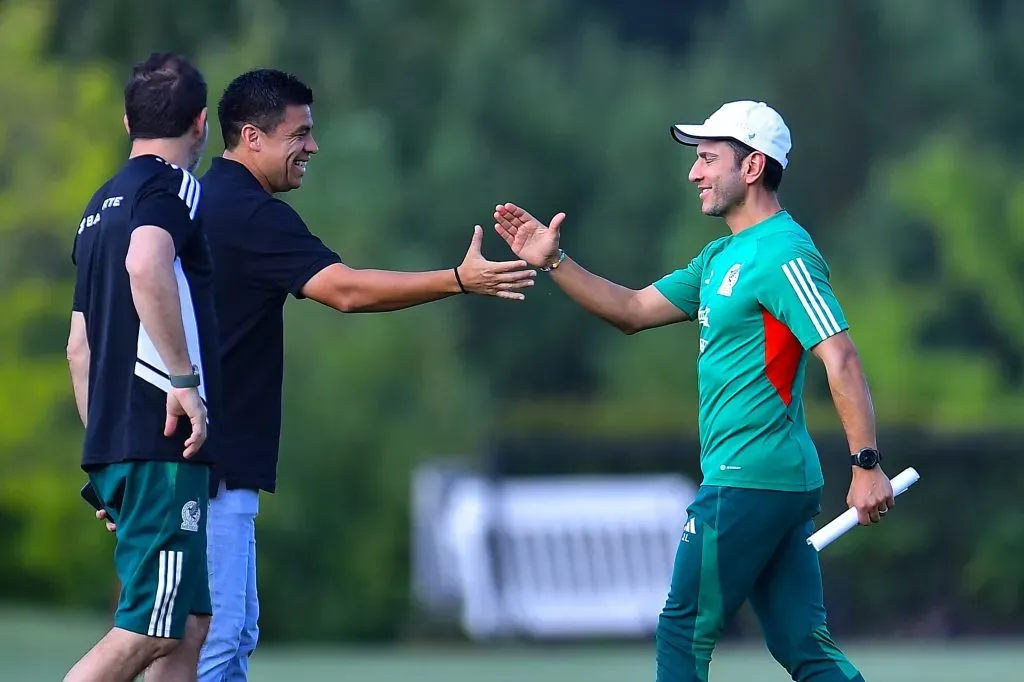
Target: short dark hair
{"points": [[163, 96], [260, 98], [772, 175]]}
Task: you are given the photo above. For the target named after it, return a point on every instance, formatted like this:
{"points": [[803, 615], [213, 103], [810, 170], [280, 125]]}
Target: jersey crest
{"points": [[731, 277]]}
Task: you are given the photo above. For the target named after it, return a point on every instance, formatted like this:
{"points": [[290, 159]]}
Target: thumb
{"points": [[556, 223], [476, 242]]}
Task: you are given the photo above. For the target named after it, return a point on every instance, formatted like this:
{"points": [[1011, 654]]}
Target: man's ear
{"points": [[250, 137], [755, 166], [127, 128], [201, 122]]}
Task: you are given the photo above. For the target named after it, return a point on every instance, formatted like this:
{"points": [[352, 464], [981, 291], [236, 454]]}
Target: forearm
{"points": [[155, 293], [852, 400], [607, 300], [378, 291]]}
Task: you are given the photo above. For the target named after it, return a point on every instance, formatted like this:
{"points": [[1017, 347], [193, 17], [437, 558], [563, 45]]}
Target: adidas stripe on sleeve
{"points": [[795, 290], [170, 201]]}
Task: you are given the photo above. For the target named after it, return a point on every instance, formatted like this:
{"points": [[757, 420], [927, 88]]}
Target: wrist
{"points": [[554, 262], [185, 380], [459, 286], [865, 459]]}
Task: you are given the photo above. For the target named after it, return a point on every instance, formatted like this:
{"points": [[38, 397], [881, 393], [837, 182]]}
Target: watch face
{"points": [[868, 458]]}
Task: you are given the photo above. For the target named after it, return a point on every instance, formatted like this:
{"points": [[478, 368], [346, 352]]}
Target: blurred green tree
{"points": [[60, 137]]}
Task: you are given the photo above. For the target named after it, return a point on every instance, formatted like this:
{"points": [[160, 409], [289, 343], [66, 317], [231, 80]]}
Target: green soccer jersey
{"points": [[762, 300]]}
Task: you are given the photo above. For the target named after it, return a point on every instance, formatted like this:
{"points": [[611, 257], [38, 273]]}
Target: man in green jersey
{"points": [[762, 301]]}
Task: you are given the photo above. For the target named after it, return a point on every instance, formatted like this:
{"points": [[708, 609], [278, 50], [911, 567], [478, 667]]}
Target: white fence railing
{"points": [[548, 557]]}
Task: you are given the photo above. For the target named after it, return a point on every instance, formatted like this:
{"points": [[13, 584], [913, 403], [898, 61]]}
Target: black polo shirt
{"points": [[262, 252], [128, 382]]}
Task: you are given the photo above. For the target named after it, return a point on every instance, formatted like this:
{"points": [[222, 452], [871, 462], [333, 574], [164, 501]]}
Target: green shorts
{"points": [[160, 557]]}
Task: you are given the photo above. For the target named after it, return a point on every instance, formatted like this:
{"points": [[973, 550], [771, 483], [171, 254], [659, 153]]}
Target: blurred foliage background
{"points": [[907, 169]]}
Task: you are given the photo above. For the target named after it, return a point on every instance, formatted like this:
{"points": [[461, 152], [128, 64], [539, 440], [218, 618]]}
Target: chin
{"points": [[711, 210]]}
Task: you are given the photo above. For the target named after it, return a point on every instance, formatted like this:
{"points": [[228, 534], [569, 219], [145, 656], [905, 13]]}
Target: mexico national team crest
{"points": [[190, 516], [730, 280]]}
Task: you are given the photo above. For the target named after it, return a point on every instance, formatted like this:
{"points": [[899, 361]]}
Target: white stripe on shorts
{"points": [[168, 579]]}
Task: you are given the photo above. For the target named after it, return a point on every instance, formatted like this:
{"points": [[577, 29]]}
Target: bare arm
{"points": [[871, 491], [78, 364], [629, 310], [849, 389], [150, 265], [374, 291]]}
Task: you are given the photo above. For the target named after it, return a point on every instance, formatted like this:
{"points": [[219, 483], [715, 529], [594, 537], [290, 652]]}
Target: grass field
{"points": [[37, 648]]}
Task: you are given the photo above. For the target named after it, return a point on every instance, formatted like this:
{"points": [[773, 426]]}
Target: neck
{"points": [[251, 166], [757, 208], [178, 152]]}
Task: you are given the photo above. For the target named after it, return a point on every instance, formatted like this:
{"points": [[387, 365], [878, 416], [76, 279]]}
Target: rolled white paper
{"points": [[848, 519]]}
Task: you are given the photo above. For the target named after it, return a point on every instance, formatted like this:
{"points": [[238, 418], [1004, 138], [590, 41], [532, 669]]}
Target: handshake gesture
{"points": [[504, 279], [534, 243]]}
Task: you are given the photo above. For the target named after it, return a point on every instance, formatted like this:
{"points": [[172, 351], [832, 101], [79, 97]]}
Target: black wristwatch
{"points": [[185, 380], [868, 458]]}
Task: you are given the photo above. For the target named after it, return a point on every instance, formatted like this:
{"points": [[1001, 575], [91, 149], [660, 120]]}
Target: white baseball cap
{"points": [[755, 124]]}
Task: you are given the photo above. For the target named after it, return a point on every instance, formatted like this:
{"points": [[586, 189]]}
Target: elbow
{"points": [[347, 306], [346, 300], [147, 264], [140, 265], [629, 319], [341, 288], [77, 350], [78, 357]]}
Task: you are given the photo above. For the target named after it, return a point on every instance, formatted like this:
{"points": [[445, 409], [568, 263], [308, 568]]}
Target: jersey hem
{"points": [[781, 486], [94, 461]]}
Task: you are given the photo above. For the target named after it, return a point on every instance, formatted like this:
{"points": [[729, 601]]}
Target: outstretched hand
{"points": [[528, 238], [502, 279]]}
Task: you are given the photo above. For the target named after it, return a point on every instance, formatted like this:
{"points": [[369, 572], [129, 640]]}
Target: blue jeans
{"points": [[231, 555]]}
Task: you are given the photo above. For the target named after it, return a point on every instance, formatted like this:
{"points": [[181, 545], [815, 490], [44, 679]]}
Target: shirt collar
{"points": [[773, 221], [235, 170]]}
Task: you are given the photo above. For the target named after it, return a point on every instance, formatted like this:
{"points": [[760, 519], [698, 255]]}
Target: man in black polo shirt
{"points": [[263, 252], [144, 362]]}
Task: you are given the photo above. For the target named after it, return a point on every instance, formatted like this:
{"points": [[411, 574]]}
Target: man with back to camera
{"points": [[762, 299], [264, 252], [143, 356]]}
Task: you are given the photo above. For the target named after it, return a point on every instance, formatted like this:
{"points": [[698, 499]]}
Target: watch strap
{"points": [[185, 380], [556, 263]]}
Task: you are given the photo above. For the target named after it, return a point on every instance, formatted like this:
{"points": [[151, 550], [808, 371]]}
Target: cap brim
{"points": [[691, 135]]}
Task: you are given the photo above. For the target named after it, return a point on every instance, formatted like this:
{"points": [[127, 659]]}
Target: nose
{"points": [[311, 145], [696, 172]]}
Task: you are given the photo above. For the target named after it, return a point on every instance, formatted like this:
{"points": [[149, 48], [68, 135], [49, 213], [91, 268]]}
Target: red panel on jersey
{"points": [[782, 354]]}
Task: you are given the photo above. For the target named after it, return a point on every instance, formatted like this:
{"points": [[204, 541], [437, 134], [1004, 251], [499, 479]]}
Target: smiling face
{"points": [[284, 152], [722, 178]]}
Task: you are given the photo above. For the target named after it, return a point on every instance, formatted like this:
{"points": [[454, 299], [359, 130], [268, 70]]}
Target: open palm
{"points": [[529, 239]]}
